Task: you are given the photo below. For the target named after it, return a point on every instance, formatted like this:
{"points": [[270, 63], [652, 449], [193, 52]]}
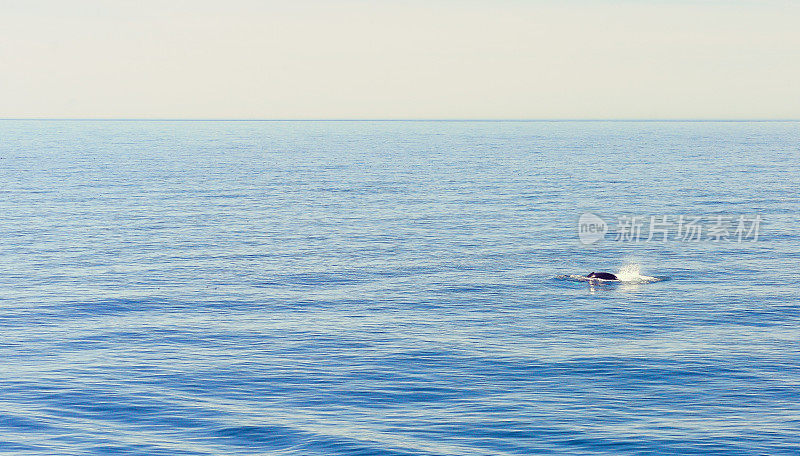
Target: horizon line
{"points": [[233, 119]]}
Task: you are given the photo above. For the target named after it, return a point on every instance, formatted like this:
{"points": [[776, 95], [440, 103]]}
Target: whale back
{"points": [[602, 275]]}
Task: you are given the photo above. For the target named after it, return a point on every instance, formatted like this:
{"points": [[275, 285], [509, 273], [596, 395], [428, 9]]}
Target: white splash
{"points": [[631, 273]]}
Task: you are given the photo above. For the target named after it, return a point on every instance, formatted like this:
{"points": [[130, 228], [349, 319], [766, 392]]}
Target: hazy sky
{"points": [[400, 59]]}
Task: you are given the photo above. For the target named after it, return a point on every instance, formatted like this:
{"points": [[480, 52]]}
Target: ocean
{"points": [[399, 288]]}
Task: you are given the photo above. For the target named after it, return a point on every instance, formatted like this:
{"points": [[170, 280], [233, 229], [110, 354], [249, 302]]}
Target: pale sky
{"points": [[360, 59]]}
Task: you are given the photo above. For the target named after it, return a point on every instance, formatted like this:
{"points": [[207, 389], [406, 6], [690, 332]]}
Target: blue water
{"points": [[389, 288]]}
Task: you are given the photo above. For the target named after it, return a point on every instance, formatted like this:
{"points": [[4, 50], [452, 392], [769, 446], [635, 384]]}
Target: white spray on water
{"points": [[632, 273]]}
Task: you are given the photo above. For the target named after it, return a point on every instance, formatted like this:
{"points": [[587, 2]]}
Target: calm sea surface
{"points": [[390, 288]]}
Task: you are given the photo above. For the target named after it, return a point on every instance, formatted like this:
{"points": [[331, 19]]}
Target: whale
{"points": [[602, 276]]}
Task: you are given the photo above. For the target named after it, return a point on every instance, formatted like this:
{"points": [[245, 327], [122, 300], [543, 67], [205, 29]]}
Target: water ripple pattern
{"points": [[389, 288]]}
